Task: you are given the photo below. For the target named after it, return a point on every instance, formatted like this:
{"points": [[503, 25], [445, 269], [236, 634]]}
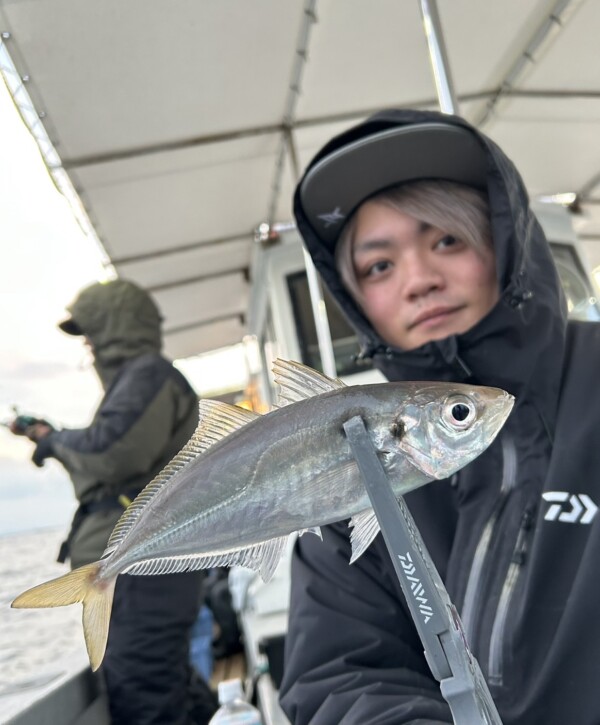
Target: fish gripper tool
{"points": [[437, 622]]}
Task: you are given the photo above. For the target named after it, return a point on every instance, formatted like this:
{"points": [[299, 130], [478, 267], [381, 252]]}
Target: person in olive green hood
{"points": [[147, 414]]}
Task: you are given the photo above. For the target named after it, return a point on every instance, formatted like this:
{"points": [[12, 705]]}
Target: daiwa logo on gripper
{"points": [[570, 508], [416, 586]]}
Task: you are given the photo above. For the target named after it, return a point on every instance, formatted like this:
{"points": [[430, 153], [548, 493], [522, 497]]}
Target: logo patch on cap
{"points": [[332, 217]]}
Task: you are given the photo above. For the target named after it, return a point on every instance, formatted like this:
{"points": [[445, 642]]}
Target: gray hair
{"points": [[456, 209]]}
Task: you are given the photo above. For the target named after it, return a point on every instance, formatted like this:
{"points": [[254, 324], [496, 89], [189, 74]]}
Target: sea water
{"points": [[39, 648]]}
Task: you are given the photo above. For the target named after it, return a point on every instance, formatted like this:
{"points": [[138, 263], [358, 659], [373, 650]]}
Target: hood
{"points": [[519, 345], [121, 321]]}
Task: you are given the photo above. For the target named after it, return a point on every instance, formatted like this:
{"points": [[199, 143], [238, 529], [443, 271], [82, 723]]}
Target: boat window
{"points": [[345, 342], [582, 302]]}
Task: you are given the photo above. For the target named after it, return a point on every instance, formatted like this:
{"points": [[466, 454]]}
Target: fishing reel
{"points": [[21, 422]]}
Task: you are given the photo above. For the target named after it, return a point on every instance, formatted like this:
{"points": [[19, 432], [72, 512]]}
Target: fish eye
{"points": [[458, 412]]}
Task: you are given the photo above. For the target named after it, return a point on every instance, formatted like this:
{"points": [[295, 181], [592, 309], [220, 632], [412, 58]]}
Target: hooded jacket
{"points": [[514, 535], [147, 414]]}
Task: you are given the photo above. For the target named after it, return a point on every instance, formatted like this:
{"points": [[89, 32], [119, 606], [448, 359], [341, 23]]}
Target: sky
{"points": [[45, 260]]}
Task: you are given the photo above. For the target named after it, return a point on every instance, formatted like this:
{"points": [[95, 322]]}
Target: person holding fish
{"points": [[148, 412], [421, 228], [244, 483]]}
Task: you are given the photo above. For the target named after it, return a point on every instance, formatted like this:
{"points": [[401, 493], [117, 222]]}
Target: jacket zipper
{"points": [[496, 655], [473, 591]]}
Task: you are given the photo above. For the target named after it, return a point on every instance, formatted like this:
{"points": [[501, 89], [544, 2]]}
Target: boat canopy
{"points": [[177, 128]]}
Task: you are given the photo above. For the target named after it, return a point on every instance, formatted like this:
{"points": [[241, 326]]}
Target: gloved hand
{"points": [[39, 430], [42, 450], [28, 425]]}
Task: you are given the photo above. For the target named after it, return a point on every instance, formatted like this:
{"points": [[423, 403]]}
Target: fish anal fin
{"points": [[263, 557], [365, 528], [270, 556], [312, 530], [299, 382]]}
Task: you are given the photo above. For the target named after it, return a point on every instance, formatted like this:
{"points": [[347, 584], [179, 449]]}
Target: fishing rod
{"points": [[446, 650]]}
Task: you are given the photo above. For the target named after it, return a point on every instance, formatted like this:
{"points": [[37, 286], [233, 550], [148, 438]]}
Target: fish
{"points": [[245, 482]]}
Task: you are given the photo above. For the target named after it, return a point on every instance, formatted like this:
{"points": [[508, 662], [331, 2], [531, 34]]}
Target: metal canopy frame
{"points": [[330, 64]]}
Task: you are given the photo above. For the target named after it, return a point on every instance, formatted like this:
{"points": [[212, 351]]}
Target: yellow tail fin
{"points": [[80, 585]]}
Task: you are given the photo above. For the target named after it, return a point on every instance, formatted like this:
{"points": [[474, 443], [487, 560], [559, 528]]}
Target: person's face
{"points": [[418, 283]]}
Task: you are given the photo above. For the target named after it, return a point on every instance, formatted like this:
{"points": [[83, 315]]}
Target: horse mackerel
{"points": [[245, 482]]}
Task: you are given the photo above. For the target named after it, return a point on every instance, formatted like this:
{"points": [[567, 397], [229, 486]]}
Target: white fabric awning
{"points": [[171, 119]]}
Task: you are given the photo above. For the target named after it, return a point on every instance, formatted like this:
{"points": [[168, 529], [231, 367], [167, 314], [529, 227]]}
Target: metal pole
{"points": [[438, 57], [315, 288], [287, 142], [320, 315]]}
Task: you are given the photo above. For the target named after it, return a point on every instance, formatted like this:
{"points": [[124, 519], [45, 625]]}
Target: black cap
{"points": [[339, 182], [70, 327]]}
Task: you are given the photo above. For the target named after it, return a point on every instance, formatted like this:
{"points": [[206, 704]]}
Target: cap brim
{"points": [[70, 327], [338, 183]]}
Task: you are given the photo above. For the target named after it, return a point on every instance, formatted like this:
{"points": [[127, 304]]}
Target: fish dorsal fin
{"points": [[299, 382], [365, 528], [216, 421], [263, 557]]}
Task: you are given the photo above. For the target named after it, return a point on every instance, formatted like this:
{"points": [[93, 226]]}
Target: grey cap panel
{"points": [[337, 184]]}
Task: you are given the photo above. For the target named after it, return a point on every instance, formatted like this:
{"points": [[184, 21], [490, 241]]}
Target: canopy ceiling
{"points": [[174, 120]]}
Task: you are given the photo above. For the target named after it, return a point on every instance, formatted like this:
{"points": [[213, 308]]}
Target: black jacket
{"points": [[515, 535]]}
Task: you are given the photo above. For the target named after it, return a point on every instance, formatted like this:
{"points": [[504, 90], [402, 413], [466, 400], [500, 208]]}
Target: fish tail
{"points": [[81, 585]]}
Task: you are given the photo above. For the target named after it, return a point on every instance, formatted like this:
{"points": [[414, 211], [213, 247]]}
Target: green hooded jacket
{"points": [[147, 414]]}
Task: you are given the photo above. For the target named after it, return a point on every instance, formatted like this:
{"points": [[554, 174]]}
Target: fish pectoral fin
{"points": [[299, 382], [365, 528], [312, 530]]}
